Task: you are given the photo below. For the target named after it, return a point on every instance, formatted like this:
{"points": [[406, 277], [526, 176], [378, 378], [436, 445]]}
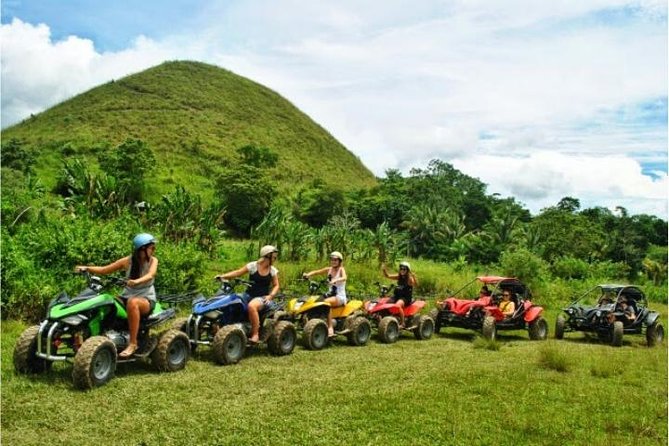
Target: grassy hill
{"points": [[193, 116]]}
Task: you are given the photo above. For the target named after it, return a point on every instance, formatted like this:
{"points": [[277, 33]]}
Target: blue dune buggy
{"points": [[221, 321]]}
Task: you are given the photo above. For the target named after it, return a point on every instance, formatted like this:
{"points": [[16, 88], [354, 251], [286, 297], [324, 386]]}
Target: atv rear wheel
{"points": [[361, 331], [94, 363], [25, 359], [283, 339], [425, 327], [654, 334], [389, 330], [229, 345], [172, 352], [489, 329], [315, 335], [538, 330], [559, 327], [617, 334], [434, 314]]}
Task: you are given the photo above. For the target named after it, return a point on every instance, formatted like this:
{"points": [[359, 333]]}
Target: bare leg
{"points": [[334, 302], [254, 307], [136, 308], [400, 306]]}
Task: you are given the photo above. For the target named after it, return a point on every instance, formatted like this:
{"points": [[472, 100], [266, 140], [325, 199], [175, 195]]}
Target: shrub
{"points": [[570, 268], [553, 358], [524, 265]]}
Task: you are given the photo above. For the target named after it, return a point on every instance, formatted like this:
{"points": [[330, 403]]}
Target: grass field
{"points": [[452, 389]]}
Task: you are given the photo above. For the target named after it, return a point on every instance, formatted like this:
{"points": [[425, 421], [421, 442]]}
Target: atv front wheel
{"points": [[180, 324], [654, 334], [283, 339], [361, 331], [315, 335], [424, 328], [94, 363], [172, 352], [559, 327], [229, 345], [25, 358], [389, 330], [617, 334], [538, 329], [489, 329]]}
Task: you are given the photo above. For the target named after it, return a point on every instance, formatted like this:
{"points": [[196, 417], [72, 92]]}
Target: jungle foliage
{"points": [[437, 214]]}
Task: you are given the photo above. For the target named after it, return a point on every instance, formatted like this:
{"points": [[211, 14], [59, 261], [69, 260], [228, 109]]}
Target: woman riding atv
{"points": [[337, 279], [406, 281], [139, 294]]}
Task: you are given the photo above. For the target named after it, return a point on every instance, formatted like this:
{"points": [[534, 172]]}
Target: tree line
{"points": [[435, 213]]}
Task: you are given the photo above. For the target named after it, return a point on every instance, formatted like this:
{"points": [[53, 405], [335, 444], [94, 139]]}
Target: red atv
{"points": [[483, 313], [385, 314]]}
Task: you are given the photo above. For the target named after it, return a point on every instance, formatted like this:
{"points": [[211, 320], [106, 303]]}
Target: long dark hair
{"points": [[136, 263]]}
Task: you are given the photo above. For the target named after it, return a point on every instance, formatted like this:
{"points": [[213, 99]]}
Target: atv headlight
{"points": [[598, 313], [570, 311], [298, 305], [75, 319]]}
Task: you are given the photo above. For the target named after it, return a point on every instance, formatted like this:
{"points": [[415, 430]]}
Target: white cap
{"points": [[336, 255], [267, 250]]}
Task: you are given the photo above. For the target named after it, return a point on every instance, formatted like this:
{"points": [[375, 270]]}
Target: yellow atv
{"points": [[310, 314]]}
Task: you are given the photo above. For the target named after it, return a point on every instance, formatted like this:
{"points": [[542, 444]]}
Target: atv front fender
{"points": [[532, 313], [652, 317]]}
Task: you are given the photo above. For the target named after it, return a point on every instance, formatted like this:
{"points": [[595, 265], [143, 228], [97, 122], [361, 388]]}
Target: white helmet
{"points": [[336, 255], [267, 250], [405, 264]]}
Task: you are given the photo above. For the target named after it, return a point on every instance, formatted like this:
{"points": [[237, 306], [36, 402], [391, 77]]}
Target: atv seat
{"points": [[156, 318]]}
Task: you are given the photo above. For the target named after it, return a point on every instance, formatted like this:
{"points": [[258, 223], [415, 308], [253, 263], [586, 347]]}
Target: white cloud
{"points": [[544, 177], [38, 72]]}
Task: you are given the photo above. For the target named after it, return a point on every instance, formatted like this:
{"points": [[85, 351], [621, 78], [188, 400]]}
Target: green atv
{"points": [[90, 329]]}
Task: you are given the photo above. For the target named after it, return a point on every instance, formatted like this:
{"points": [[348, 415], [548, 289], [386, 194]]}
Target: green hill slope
{"points": [[193, 116]]}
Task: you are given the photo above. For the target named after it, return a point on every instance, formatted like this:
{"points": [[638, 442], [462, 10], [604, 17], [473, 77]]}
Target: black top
{"points": [[403, 290], [261, 284]]}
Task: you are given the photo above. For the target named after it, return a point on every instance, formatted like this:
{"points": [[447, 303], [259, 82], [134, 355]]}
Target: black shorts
{"points": [[407, 300]]}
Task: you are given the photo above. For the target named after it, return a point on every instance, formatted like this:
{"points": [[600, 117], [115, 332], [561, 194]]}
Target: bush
{"points": [[524, 265], [570, 268]]}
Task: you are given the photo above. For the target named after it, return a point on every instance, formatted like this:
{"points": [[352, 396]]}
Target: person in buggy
{"points": [[139, 293], [337, 279], [506, 305], [627, 309], [265, 278], [403, 293]]}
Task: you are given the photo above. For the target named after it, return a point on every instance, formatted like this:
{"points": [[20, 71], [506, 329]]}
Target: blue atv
{"points": [[222, 322]]}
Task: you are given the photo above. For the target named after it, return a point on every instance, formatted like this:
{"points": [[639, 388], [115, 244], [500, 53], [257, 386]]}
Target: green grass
{"points": [[193, 116], [446, 390]]}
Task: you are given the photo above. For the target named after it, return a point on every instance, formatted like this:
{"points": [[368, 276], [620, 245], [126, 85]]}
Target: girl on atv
{"points": [[406, 281], [139, 294], [263, 275], [337, 279]]}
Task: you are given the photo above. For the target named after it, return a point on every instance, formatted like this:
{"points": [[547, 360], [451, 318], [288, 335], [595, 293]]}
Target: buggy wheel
{"points": [[361, 331], [538, 329], [425, 328], [315, 335], [172, 352], [94, 363], [559, 327], [229, 345], [283, 339], [434, 314], [389, 330], [617, 334], [489, 329], [25, 360], [654, 334]]}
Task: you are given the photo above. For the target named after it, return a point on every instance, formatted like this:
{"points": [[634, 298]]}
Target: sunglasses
{"points": [[506, 295], [404, 268]]}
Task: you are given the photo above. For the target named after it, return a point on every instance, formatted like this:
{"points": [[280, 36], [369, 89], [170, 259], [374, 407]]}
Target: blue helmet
{"points": [[142, 240]]}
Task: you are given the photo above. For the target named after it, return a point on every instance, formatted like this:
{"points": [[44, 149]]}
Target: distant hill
{"points": [[193, 116]]}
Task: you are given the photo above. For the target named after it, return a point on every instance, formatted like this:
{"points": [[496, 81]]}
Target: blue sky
{"points": [[540, 100]]}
